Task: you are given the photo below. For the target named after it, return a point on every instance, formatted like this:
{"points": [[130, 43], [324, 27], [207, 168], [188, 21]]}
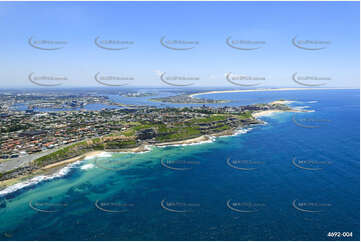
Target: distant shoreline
{"points": [[270, 90]]}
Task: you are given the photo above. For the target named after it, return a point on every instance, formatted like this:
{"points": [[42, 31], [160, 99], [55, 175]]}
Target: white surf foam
{"points": [[35, 180], [62, 172], [210, 140], [242, 131], [288, 102], [304, 108], [87, 166], [237, 132], [100, 155]]}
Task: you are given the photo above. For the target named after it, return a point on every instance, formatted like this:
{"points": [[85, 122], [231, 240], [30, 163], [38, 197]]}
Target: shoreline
{"points": [[51, 169], [269, 90], [72, 160], [46, 170], [56, 167], [273, 111]]}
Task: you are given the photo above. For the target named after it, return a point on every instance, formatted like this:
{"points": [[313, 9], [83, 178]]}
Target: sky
{"points": [[206, 26]]}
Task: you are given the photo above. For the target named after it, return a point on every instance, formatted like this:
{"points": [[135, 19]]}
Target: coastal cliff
{"points": [[171, 126]]}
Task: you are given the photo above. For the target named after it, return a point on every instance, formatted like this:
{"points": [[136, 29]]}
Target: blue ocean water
{"points": [[295, 178]]}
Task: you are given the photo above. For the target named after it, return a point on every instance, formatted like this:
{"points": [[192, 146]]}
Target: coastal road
{"points": [[10, 164]]}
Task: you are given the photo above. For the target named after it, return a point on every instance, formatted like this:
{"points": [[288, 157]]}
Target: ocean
{"points": [[296, 177]]}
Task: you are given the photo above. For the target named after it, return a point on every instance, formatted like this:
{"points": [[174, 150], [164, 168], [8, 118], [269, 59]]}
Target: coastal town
{"points": [[32, 101], [53, 136], [27, 133]]}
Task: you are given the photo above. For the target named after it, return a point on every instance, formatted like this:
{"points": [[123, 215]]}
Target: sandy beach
{"points": [[49, 169], [266, 90], [71, 160], [265, 113], [271, 112], [187, 141], [141, 148], [284, 102]]}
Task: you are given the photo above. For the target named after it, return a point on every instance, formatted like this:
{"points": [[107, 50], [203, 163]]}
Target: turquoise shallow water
{"points": [[296, 178]]}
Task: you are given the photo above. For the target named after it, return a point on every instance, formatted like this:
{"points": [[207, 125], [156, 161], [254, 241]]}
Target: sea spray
{"points": [[210, 140], [104, 154], [303, 108], [87, 166], [38, 179]]}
